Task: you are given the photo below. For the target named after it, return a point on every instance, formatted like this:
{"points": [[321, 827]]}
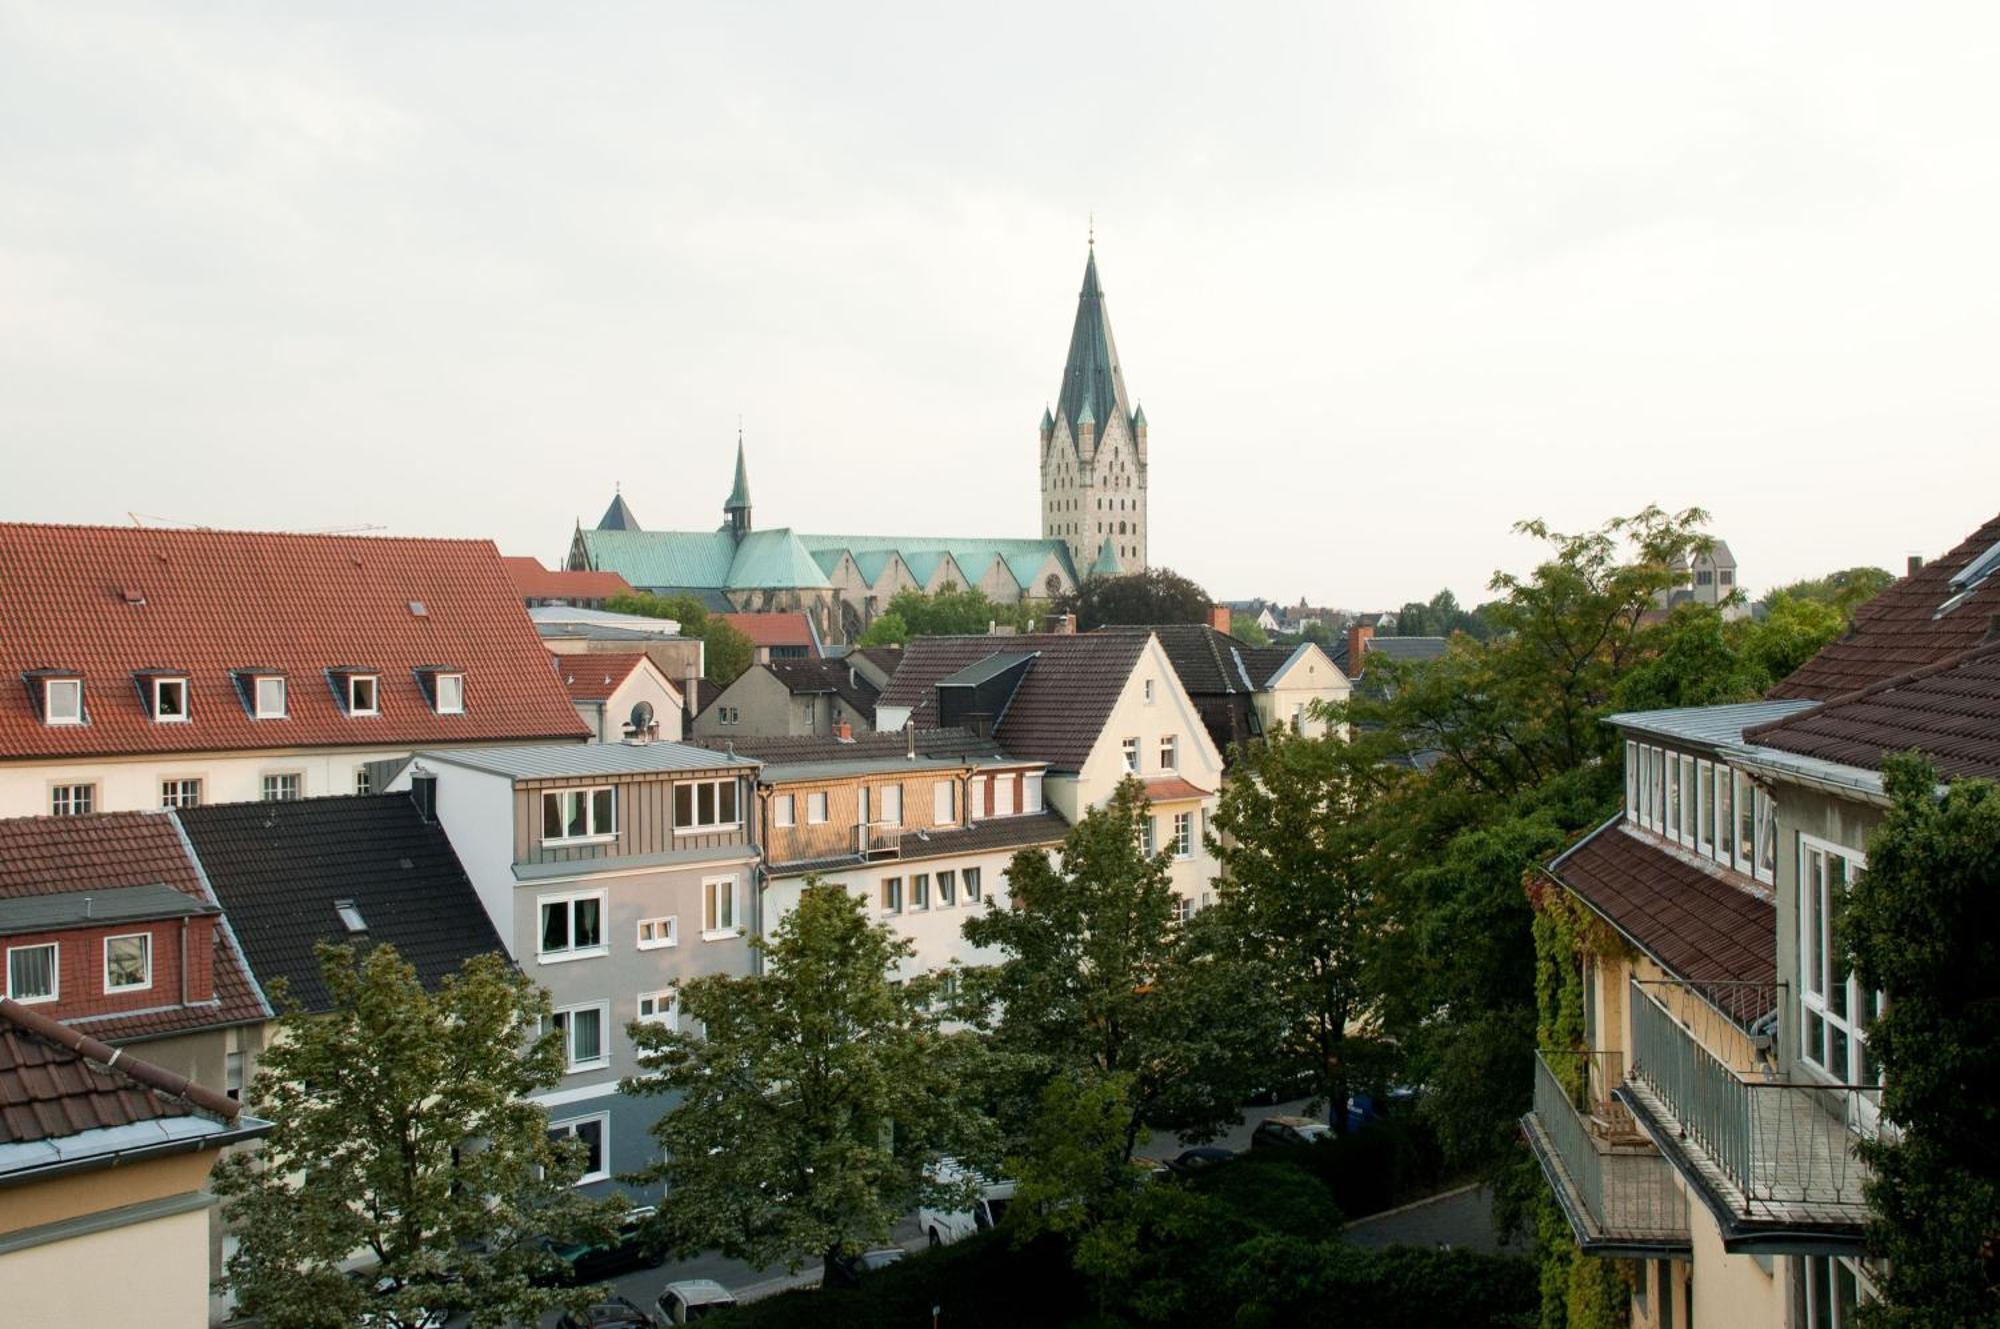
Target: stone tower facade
{"points": [[1094, 449]]}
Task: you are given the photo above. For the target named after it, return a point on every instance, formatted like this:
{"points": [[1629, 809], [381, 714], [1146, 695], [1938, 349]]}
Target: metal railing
{"points": [[1624, 1184], [1778, 1142], [878, 841], [826, 842]]}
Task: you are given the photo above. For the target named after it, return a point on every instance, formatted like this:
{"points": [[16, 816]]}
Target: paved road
{"points": [[1164, 1144], [1459, 1219]]}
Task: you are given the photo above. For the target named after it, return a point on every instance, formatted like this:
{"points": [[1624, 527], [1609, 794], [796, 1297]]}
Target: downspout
{"points": [[184, 961], [759, 878]]}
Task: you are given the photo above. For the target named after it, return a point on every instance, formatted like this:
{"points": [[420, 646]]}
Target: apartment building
{"points": [[791, 699], [611, 871], [1707, 1128], [609, 688], [171, 668], [1242, 691]]}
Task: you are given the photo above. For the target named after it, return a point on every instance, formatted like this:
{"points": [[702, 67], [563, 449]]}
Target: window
{"points": [[594, 1132], [971, 877], [718, 908], [1148, 833], [1170, 753], [975, 798], [170, 700], [1149, 692], [1631, 780], [784, 810], [582, 1030], [282, 788], [729, 715], [1132, 755], [72, 800], [448, 690], [892, 895], [268, 694], [1767, 836], [362, 694], [1184, 835], [572, 927], [920, 891], [1673, 826], [364, 783], [1833, 1289], [1003, 796], [1834, 1010], [1031, 792], [1746, 825], [655, 933], [1704, 577], [947, 883], [62, 700], [128, 962], [232, 1075], [816, 808], [32, 974], [1183, 909], [703, 805], [659, 1008], [944, 803], [579, 814], [180, 793], [1687, 799], [1704, 816], [889, 805]]}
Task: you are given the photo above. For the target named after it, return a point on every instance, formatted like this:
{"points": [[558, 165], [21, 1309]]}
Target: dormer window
{"points": [[170, 699], [451, 694], [62, 700], [363, 694], [267, 696]]}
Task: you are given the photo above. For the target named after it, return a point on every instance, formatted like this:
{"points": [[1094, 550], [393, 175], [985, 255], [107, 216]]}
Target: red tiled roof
{"points": [[65, 855], [109, 602], [1901, 631], [595, 675], [1950, 711], [50, 1088], [1700, 927], [774, 629], [1062, 703], [532, 581], [1173, 789]]}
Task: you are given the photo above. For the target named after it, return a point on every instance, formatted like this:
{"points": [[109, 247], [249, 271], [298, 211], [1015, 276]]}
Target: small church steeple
{"points": [[737, 509]]}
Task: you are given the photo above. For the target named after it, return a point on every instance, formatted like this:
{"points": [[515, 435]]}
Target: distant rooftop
{"points": [[559, 761], [1708, 724]]}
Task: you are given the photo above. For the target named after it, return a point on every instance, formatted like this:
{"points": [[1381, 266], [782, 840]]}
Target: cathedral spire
{"points": [[1092, 377], [737, 508]]}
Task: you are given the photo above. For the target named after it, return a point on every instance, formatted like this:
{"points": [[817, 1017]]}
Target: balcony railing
{"points": [[826, 842], [878, 841], [1618, 1192], [1772, 1150]]}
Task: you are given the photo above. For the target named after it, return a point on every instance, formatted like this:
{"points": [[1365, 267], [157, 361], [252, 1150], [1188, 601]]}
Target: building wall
{"points": [[1802, 812], [674, 656], [804, 840], [764, 707], [476, 809], [80, 985], [1730, 1290], [157, 1268], [645, 819], [607, 719], [1315, 678], [1107, 471]]}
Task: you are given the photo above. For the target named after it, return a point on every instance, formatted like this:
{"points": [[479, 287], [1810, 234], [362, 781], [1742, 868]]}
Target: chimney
{"points": [[1061, 625], [1357, 646], [690, 689], [1219, 617], [910, 740], [424, 793], [1916, 564], [843, 732]]}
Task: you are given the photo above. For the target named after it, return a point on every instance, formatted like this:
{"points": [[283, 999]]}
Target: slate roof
{"points": [[53, 1088], [535, 582], [1949, 710], [775, 629], [796, 750], [1221, 674], [1907, 627], [595, 675], [45, 856], [1391, 648], [111, 602], [1093, 384], [116, 904], [278, 868], [1061, 705], [801, 677], [618, 517], [1697, 924]]}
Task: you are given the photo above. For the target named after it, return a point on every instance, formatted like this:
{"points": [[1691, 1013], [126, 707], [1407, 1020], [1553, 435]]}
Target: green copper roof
{"points": [[1107, 562], [1048, 421], [783, 559], [1024, 558], [739, 496], [773, 560], [1093, 386], [663, 558], [1139, 416]]}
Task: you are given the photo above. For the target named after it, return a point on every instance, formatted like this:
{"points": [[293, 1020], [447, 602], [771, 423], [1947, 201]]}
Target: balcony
{"points": [[1618, 1193], [1774, 1158], [878, 841], [825, 842]]}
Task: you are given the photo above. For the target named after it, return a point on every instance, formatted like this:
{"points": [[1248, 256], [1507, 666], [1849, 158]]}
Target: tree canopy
{"points": [[1440, 617], [953, 611], [726, 653], [1245, 627], [399, 1128], [1157, 595]]}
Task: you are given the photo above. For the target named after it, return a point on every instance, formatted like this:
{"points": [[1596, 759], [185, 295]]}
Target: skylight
{"points": [[1968, 578], [350, 917]]}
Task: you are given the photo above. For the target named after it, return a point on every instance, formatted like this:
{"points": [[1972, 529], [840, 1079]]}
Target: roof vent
{"points": [[132, 595], [417, 609], [350, 917]]}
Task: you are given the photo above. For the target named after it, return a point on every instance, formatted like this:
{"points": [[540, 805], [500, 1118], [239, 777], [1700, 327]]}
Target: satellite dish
{"points": [[642, 716]]}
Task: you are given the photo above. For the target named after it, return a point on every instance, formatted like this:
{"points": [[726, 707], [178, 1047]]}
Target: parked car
{"points": [[427, 1318], [590, 1262], [1288, 1132], [611, 1313], [847, 1268], [943, 1227], [1200, 1157], [692, 1299]]}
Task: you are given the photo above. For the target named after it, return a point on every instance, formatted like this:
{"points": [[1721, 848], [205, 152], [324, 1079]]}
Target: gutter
{"points": [[1827, 777], [251, 1129]]}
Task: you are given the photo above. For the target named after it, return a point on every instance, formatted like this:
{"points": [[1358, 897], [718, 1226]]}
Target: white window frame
{"points": [[264, 786], [1837, 1315], [944, 803], [71, 714], [890, 895], [173, 790], [1149, 835], [258, 697], [889, 805], [947, 887], [785, 811], [145, 940], [1170, 752], [1031, 792], [1184, 835], [593, 833], [160, 685], [695, 825], [571, 1065], [54, 948], [373, 683], [968, 884], [1631, 780], [1130, 749], [568, 900], [1003, 797], [1823, 976], [665, 929], [920, 892], [816, 808], [456, 705], [666, 1009], [364, 782], [1704, 807], [1149, 692], [73, 800], [568, 1126], [734, 928], [1743, 807]]}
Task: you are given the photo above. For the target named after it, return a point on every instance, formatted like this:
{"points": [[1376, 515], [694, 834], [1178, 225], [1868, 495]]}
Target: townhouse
{"points": [[922, 826], [609, 690], [1707, 1127], [170, 668], [1244, 691], [610, 871], [1091, 709], [791, 698]]}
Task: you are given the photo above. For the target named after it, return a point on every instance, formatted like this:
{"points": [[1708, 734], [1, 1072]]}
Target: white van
{"points": [[942, 1227]]}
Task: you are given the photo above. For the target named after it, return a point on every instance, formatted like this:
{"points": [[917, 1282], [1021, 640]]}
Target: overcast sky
{"points": [[1386, 277]]}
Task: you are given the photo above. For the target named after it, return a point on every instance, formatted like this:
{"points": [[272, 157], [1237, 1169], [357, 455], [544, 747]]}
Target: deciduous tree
{"points": [[1157, 595], [726, 653]]}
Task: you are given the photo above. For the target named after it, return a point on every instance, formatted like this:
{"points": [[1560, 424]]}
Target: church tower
{"points": [[1094, 449]]}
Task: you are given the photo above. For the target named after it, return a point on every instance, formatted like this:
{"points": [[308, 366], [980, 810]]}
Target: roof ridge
{"points": [[113, 1060], [1902, 680]]}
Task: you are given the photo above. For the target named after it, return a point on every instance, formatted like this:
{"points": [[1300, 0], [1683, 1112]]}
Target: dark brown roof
{"points": [[68, 855], [1061, 705], [56, 1083], [1950, 711], [1902, 629], [1698, 925], [835, 676]]}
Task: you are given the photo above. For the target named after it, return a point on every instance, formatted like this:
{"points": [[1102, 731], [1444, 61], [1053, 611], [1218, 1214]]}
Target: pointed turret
{"points": [[1093, 385], [618, 517], [737, 508], [1048, 422], [1107, 561]]}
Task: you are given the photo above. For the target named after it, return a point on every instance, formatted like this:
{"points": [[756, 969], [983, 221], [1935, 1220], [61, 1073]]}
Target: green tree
{"points": [[1157, 595], [1299, 895], [1919, 928], [1846, 590], [400, 1128], [888, 629], [953, 611], [1245, 627], [726, 653], [816, 1101]]}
